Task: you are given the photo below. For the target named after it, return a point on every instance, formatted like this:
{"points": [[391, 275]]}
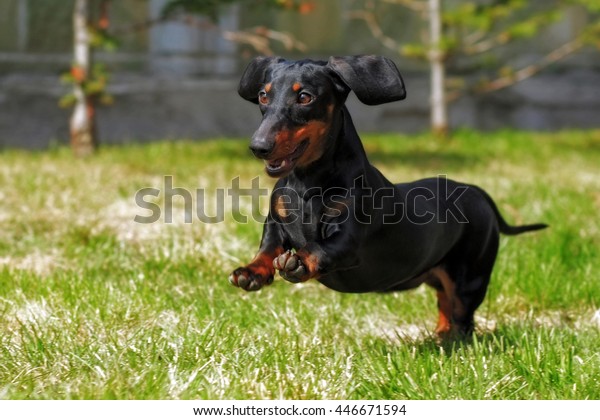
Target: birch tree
{"points": [[83, 118], [435, 55], [88, 80]]}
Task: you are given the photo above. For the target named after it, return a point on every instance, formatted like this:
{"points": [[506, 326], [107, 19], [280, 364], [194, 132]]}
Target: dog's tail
{"points": [[505, 228]]}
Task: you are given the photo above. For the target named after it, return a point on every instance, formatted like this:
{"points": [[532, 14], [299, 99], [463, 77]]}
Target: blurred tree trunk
{"points": [[435, 55], [83, 119]]}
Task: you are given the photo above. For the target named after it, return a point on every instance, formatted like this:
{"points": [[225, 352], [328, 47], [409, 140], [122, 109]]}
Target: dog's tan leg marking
{"points": [[449, 305]]}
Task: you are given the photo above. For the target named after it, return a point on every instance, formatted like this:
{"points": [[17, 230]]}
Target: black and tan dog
{"points": [[335, 218]]}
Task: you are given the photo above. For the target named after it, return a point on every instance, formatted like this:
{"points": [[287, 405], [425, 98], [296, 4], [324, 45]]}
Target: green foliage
{"points": [[480, 17], [418, 51], [68, 100], [592, 6], [94, 85], [102, 39], [493, 24]]}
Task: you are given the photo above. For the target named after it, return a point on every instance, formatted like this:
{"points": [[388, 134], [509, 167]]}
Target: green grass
{"points": [[93, 305]]}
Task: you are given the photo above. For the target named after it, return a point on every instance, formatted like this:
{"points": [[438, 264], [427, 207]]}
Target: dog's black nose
{"points": [[261, 148]]}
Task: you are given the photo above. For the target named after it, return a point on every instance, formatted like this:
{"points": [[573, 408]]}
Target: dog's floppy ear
{"points": [[374, 79], [254, 77]]}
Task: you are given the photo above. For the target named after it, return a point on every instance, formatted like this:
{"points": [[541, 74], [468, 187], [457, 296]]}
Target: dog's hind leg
{"points": [[450, 307], [462, 283], [460, 290]]}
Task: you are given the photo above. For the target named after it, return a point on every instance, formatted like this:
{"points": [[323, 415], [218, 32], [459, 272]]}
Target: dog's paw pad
{"points": [[290, 267], [280, 262], [244, 278]]}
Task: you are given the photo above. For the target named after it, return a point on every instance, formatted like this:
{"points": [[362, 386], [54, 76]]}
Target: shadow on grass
{"points": [[430, 344]]}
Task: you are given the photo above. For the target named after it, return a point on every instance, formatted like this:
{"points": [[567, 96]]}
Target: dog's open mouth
{"points": [[284, 165]]}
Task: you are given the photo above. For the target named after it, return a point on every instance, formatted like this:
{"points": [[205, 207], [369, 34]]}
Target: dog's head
{"points": [[299, 99]]}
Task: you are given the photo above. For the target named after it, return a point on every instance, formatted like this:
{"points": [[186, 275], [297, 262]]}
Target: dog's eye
{"points": [[305, 98], [262, 97]]}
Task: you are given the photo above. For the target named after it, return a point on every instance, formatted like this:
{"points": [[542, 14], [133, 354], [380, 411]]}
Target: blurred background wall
{"points": [[178, 79]]}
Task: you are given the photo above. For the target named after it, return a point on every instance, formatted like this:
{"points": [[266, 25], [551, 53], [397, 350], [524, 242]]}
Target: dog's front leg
{"points": [[260, 271], [336, 251]]}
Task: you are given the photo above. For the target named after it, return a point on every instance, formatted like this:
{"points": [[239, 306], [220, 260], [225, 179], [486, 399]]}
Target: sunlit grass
{"points": [[94, 305]]}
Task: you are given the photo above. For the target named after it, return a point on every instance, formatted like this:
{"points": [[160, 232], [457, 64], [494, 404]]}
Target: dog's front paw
{"points": [[291, 268], [250, 278]]}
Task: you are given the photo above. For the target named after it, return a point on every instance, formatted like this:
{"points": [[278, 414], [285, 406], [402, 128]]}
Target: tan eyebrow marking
{"points": [[268, 87], [296, 87]]}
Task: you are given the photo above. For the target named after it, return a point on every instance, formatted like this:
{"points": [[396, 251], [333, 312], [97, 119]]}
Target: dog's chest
{"points": [[301, 216]]}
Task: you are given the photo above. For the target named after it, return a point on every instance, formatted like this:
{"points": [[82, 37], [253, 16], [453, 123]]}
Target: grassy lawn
{"points": [[94, 305]]}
